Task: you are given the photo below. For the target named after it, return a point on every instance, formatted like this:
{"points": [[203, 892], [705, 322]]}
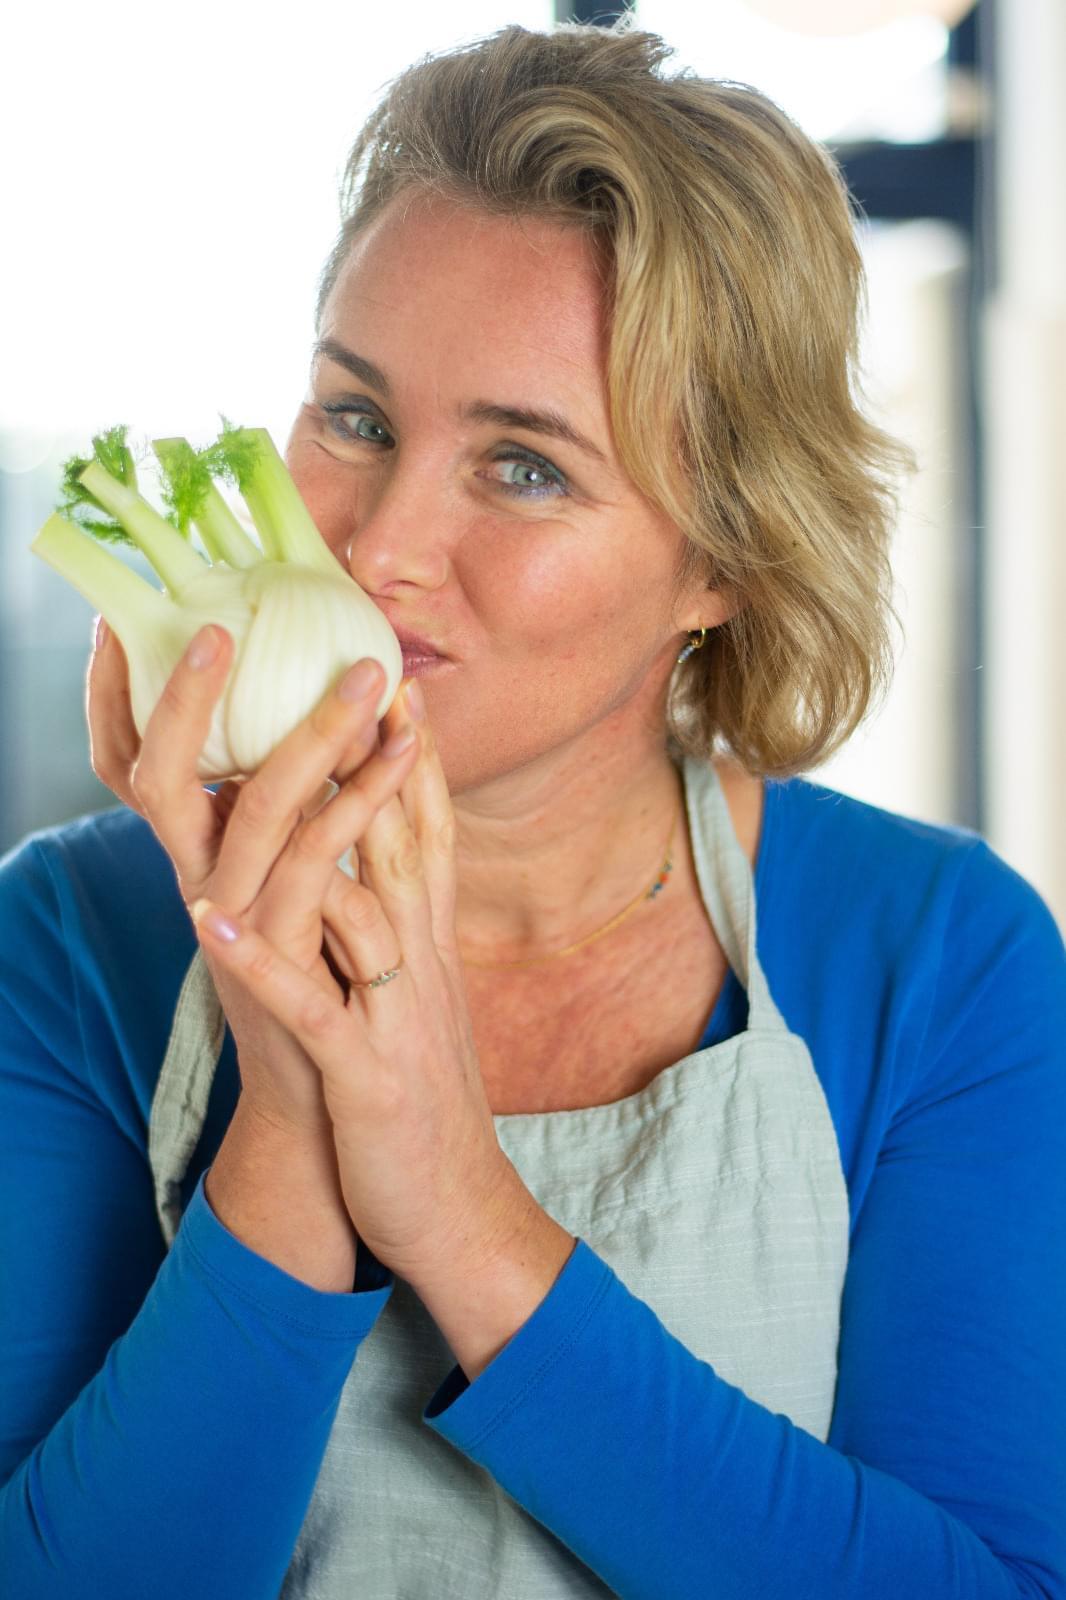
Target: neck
{"points": [[549, 853]]}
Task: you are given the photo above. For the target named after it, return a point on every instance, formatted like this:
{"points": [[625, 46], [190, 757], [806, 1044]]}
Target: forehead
{"points": [[471, 296]]}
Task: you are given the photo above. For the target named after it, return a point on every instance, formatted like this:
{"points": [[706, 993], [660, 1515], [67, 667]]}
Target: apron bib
{"points": [[716, 1194]]}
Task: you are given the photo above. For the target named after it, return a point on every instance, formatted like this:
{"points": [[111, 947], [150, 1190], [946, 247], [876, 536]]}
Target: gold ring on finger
{"points": [[382, 977]]}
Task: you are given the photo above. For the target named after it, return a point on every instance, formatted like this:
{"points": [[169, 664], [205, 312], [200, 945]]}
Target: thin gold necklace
{"points": [[645, 894]]}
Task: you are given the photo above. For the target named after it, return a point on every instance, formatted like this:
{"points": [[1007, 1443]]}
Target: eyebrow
{"points": [[552, 424], [358, 366]]}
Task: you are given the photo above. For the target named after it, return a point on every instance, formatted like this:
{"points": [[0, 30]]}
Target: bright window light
{"points": [[171, 194], [888, 82]]}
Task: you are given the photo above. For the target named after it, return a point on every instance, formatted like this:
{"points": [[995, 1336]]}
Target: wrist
{"points": [[481, 1295], [278, 1192]]}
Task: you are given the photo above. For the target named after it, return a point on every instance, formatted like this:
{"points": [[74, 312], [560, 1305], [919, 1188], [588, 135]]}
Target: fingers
{"points": [[272, 804], [359, 939], [427, 803], [290, 905], [312, 1011], [114, 742], [171, 795]]}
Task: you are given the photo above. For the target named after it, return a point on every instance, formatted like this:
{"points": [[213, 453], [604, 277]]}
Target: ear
{"points": [[710, 608]]}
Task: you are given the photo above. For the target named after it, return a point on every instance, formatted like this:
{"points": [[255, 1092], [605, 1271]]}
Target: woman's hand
{"points": [[226, 845], [421, 1169]]}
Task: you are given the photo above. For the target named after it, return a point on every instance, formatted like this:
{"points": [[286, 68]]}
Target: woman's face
{"points": [[526, 556]]}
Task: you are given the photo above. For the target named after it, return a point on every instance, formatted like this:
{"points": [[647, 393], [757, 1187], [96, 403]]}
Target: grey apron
{"points": [[716, 1194]]}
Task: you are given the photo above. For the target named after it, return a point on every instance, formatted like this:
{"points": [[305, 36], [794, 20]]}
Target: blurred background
{"points": [[169, 196]]}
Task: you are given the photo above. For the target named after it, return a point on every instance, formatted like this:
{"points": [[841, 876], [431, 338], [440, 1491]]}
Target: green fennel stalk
{"points": [[297, 618]]}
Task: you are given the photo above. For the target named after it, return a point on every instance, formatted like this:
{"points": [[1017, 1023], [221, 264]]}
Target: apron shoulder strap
{"points": [[179, 1105], [728, 887]]}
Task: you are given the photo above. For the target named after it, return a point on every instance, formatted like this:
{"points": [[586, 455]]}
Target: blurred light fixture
{"points": [[855, 16]]}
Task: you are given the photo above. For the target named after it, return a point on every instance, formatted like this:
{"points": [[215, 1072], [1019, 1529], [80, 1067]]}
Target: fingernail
{"points": [[398, 743], [358, 681], [209, 916], [416, 704], [203, 649], [102, 631]]}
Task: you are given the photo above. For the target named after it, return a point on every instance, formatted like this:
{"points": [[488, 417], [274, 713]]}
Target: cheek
{"points": [[545, 593], [567, 636], [326, 490]]}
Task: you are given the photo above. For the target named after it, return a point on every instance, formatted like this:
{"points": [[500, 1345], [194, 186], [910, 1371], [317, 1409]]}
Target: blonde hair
{"points": [[734, 288]]}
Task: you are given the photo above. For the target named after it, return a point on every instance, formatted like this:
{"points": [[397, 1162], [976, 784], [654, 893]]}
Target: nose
{"points": [[407, 527]]}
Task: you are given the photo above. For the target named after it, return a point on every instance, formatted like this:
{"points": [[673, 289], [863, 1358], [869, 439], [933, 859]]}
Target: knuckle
{"points": [[402, 860], [317, 1016], [147, 787], [362, 909], [308, 842], [261, 963], [444, 837], [256, 806]]}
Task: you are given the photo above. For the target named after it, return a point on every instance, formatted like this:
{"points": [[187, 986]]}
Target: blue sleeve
{"points": [[944, 1474], [163, 1416]]}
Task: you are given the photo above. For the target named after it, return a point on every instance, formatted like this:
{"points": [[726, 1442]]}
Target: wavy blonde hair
{"points": [[734, 288]]}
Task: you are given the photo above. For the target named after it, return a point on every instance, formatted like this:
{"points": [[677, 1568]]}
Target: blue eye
{"points": [[337, 413], [552, 482]]}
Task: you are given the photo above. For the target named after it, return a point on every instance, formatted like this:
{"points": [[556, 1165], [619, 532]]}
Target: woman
{"points": [[563, 1240]]}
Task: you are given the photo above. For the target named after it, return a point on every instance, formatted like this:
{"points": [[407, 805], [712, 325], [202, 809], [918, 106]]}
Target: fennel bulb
{"points": [[297, 618]]}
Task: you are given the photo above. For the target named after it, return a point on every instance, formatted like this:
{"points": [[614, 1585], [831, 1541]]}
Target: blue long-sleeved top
{"points": [[163, 1415]]}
